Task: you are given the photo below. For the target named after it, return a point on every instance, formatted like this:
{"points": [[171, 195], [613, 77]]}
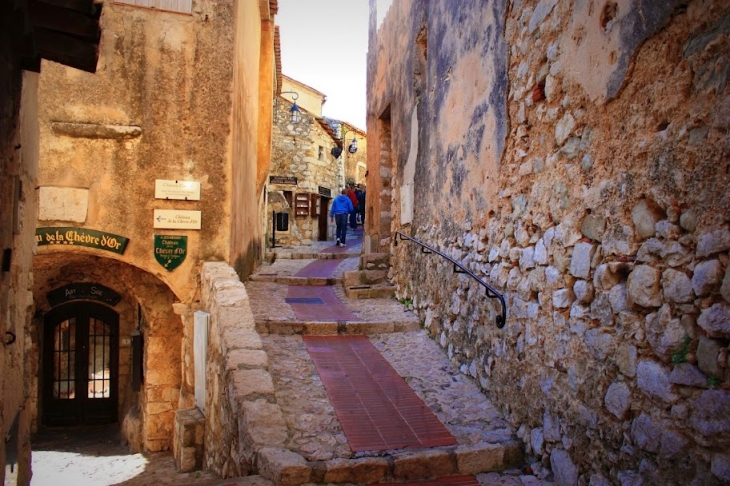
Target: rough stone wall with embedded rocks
{"points": [[575, 155]]}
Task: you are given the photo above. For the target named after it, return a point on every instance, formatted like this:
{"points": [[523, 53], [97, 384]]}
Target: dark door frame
{"points": [[80, 406], [323, 216]]}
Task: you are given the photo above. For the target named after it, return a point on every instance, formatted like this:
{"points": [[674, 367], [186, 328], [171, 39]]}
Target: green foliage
{"points": [[408, 303], [713, 381], [680, 353]]}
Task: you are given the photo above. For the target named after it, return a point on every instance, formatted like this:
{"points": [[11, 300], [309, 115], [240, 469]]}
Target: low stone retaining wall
{"points": [[241, 415]]}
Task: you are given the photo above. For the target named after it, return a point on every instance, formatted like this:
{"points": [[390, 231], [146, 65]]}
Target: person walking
{"points": [[361, 204], [353, 200], [339, 212]]}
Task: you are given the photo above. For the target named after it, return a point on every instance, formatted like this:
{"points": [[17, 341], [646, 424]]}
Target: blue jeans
{"points": [[353, 219], [341, 224]]}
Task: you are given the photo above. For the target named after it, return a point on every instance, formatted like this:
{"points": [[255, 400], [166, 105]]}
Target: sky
{"points": [[324, 45]]}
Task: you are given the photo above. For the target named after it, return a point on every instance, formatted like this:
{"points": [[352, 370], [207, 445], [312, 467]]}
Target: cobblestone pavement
{"points": [[317, 434]]}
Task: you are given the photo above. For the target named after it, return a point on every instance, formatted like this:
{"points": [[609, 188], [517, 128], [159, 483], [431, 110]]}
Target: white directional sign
{"points": [[183, 190], [177, 219]]}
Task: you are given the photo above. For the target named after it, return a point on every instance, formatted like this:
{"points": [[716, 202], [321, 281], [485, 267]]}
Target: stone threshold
{"points": [[270, 257], [292, 280], [326, 328], [287, 468]]}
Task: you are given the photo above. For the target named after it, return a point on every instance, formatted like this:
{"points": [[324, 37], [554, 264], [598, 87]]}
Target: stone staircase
{"points": [[371, 281], [289, 429]]}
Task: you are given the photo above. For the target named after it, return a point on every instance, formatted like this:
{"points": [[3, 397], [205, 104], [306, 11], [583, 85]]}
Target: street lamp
{"points": [[352, 148], [295, 115]]}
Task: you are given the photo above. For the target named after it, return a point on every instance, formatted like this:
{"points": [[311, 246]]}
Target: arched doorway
{"points": [[80, 364]]}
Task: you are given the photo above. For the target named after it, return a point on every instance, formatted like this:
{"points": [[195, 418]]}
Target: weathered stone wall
{"points": [[301, 150], [180, 97], [152, 70], [18, 175], [249, 135], [574, 154]]}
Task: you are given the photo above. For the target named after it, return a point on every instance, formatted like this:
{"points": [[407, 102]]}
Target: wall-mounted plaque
{"points": [[176, 219], [81, 237], [182, 190], [170, 250], [292, 181], [301, 204], [83, 291], [325, 191]]}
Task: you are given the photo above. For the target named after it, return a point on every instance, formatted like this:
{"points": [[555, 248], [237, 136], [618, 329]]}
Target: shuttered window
{"points": [[180, 6]]}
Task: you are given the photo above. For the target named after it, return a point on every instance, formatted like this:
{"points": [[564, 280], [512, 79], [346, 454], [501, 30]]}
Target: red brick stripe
{"points": [[376, 408]]}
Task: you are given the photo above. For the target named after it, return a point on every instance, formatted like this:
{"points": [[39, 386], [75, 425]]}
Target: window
{"points": [[321, 152]]}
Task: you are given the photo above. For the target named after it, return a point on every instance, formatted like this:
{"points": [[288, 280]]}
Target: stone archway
{"points": [[145, 303]]}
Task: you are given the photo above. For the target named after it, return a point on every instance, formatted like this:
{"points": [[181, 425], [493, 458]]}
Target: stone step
{"points": [[307, 255], [380, 291], [322, 328], [287, 468], [292, 280], [364, 277], [375, 261]]}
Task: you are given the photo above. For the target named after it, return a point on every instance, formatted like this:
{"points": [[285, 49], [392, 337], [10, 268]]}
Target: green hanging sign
{"points": [[170, 250]]}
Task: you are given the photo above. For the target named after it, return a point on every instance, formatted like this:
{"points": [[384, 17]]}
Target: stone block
{"points": [[714, 241], [241, 339], [564, 469], [643, 287], [369, 328], [664, 333], [687, 374], [645, 215], [242, 359], [187, 424], [367, 470], [646, 433], [248, 383], [710, 413], [653, 381], [708, 351], [706, 276], [716, 321], [593, 227], [479, 458], [618, 399], [262, 424], [563, 298], [677, 286], [423, 464], [283, 467]]}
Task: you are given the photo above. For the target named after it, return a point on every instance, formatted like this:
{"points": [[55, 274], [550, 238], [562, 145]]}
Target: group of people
{"points": [[348, 208]]}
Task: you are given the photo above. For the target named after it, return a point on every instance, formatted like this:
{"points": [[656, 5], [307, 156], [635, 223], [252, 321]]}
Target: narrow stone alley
{"points": [[303, 314]]}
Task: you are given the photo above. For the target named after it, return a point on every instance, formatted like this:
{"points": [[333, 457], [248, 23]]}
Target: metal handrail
{"points": [[459, 268]]}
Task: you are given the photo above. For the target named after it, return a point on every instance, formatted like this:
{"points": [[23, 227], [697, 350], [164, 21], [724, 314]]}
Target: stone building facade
{"points": [[148, 168], [21, 51], [304, 173], [575, 155]]}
